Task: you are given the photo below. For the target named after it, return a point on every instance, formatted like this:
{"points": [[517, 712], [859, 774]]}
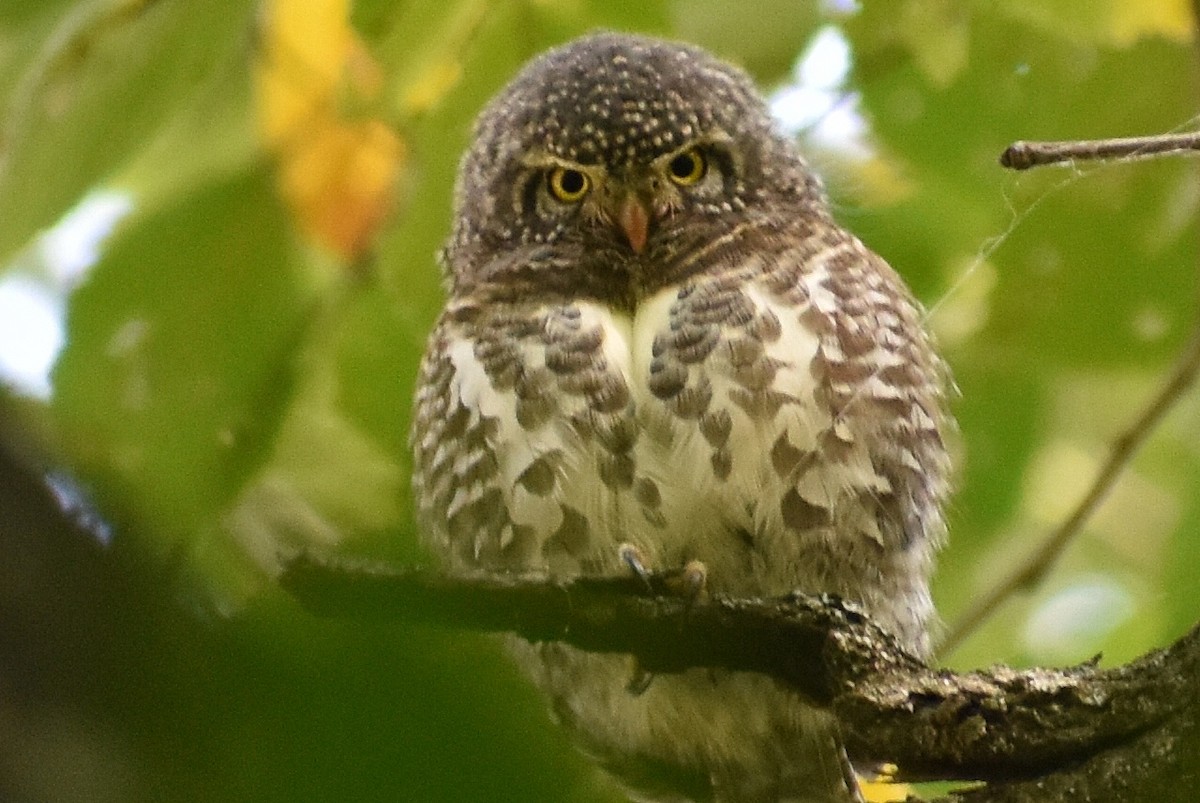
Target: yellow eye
{"points": [[567, 184], [688, 167]]}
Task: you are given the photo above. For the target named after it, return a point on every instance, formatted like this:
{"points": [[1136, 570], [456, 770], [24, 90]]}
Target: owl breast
{"points": [[728, 419]]}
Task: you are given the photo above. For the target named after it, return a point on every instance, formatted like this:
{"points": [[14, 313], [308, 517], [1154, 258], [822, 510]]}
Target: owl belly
{"points": [[701, 485], [698, 428], [723, 405], [694, 429], [699, 735], [673, 508]]}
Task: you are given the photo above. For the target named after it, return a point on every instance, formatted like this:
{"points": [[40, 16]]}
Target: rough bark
{"points": [[1083, 733]]}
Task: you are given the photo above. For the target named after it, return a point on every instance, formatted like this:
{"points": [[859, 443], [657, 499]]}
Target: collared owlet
{"points": [[659, 343]]}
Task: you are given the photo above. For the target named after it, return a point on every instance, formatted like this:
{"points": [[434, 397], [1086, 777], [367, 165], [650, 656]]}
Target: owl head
{"points": [[608, 160]]}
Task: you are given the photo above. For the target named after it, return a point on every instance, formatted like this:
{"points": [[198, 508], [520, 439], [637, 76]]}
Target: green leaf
{"points": [[225, 396], [105, 82]]}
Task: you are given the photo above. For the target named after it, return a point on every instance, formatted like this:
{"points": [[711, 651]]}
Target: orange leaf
{"points": [[337, 169]]}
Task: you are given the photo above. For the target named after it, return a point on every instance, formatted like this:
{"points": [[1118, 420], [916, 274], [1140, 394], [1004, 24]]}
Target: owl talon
{"points": [[632, 557], [691, 582]]}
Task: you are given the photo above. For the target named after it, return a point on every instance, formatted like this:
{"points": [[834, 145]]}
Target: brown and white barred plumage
{"points": [[754, 390]]}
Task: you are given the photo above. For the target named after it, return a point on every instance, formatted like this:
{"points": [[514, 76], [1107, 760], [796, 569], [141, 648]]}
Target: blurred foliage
{"points": [[218, 224]]}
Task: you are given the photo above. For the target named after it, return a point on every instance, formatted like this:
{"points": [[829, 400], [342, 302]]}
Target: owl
{"points": [[659, 344]]}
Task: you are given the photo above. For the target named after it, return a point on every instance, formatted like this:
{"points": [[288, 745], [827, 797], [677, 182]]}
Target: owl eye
{"points": [[688, 167], [567, 184]]}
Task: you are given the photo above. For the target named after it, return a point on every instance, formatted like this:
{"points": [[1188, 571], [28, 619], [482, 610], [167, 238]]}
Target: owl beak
{"points": [[634, 221]]}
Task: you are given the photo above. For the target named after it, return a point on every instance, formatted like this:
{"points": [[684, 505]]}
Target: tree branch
{"points": [[1024, 155], [1132, 728], [787, 638]]}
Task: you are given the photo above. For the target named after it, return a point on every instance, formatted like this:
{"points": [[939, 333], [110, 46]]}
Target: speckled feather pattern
{"points": [[755, 390]]}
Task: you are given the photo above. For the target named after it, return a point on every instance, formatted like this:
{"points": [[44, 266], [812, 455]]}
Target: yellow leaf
{"points": [[884, 791], [880, 787], [337, 167], [1115, 23], [1131, 20]]}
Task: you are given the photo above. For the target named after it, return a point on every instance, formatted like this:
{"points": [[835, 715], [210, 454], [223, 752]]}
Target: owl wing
{"points": [[522, 435], [808, 373]]}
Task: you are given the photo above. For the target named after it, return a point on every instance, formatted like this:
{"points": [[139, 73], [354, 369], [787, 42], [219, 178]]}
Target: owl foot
{"points": [[691, 582], [632, 557]]}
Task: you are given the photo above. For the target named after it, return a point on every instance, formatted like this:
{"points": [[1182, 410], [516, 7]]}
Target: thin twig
{"points": [[1029, 573], [1024, 155]]}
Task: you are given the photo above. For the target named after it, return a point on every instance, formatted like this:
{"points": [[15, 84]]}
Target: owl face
{"points": [[606, 159], [611, 205]]}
